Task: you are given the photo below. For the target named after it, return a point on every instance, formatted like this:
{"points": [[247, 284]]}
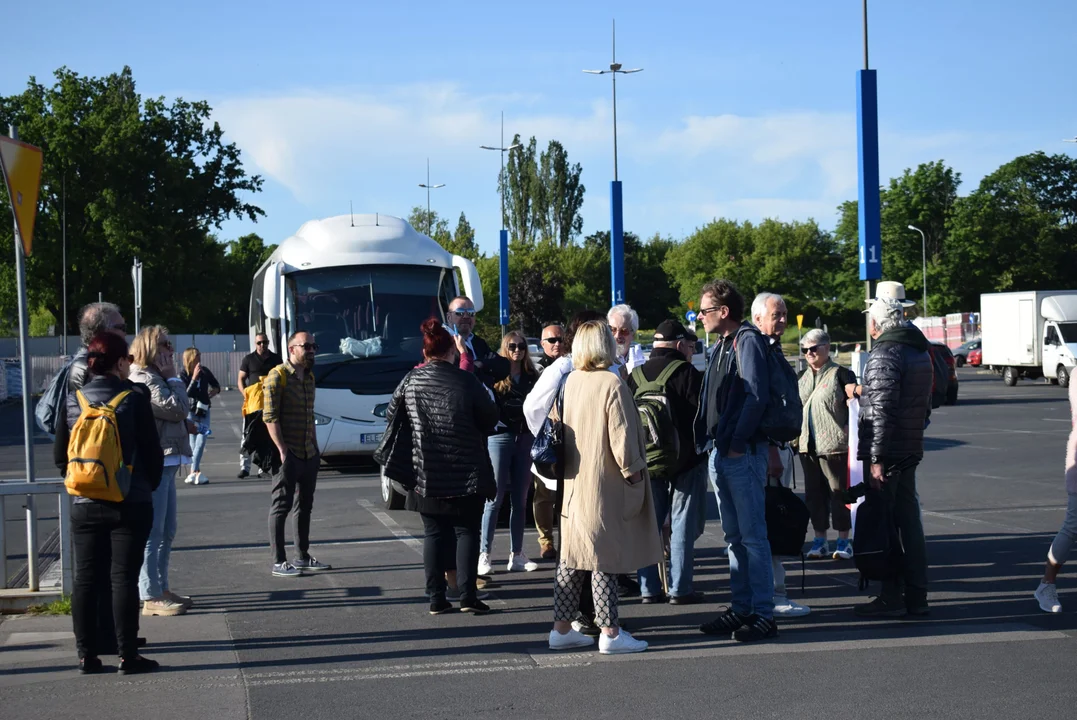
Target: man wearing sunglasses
{"points": [[553, 344], [253, 368], [475, 354], [288, 412]]}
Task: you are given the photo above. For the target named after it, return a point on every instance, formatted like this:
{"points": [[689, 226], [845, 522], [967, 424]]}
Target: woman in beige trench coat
{"points": [[607, 516]]}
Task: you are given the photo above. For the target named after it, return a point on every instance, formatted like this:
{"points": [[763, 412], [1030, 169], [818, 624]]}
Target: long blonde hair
{"points": [[191, 356], [144, 346], [505, 385], [593, 347]]}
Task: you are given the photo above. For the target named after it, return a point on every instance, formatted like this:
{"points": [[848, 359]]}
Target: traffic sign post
{"points": [[690, 316], [21, 167], [136, 277], [503, 280]]}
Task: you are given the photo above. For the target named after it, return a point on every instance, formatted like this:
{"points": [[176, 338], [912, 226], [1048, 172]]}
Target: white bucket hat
{"points": [[891, 290]]}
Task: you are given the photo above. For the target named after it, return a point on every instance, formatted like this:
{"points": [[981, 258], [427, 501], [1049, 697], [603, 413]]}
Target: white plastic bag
{"points": [[856, 467], [361, 348]]}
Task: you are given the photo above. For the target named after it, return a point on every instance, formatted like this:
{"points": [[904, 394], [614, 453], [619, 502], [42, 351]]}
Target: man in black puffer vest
{"points": [[894, 405]]}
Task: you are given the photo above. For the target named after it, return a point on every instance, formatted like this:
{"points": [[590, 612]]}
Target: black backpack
{"points": [[876, 545], [787, 523], [784, 414]]}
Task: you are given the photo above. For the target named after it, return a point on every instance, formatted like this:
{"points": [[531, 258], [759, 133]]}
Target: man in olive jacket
{"points": [[894, 405]]}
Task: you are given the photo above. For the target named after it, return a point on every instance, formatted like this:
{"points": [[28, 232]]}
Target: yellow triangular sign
{"points": [[21, 165]]}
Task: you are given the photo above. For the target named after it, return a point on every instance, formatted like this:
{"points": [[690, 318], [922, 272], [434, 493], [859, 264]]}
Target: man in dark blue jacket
{"points": [[736, 388]]}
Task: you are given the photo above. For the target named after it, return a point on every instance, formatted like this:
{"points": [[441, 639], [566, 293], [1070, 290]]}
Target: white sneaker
{"points": [[485, 568], [200, 479], [789, 608], [622, 644], [1047, 595], [569, 640], [518, 562], [189, 479]]}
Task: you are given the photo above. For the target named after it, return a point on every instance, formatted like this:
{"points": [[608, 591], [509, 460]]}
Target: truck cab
{"points": [[1059, 338]]}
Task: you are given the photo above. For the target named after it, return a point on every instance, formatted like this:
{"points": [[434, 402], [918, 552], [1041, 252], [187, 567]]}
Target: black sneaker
{"points": [[137, 665], [728, 622], [90, 666], [756, 627], [654, 599], [917, 606], [882, 607], [439, 606], [692, 598], [242, 474], [477, 607]]}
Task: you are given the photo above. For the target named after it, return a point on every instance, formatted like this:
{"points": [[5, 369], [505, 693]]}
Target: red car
{"points": [[975, 357]]}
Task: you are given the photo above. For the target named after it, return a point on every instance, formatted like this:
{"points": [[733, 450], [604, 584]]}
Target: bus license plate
{"points": [[370, 438]]}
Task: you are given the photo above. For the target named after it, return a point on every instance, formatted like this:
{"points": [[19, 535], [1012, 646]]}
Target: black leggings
{"points": [[109, 541], [452, 543]]}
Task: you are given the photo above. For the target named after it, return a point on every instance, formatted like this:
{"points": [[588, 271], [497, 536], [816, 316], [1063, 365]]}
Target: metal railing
{"points": [[51, 486]]}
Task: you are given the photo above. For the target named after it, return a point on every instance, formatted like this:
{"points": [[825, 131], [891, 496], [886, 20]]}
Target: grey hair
{"points": [[815, 336], [626, 312], [94, 318], [759, 305], [888, 323]]}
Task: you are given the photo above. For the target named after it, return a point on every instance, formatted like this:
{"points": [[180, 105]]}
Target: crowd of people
{"points": [[620, 450]]}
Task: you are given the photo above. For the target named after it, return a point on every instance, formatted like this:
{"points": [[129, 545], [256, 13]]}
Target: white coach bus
{"points": [[361, 285]]}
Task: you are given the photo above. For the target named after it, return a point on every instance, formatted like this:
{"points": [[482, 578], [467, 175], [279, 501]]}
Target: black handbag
{"points": [[548, 448]]}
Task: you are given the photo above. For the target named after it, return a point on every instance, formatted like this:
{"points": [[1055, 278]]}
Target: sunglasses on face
{"points": [[813, 349], [262, 342], [553, 340], [307, 346], [704, 312], [463, 313], [513, 347]]}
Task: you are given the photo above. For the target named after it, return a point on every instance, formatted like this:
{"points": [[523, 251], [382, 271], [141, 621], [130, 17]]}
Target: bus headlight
{"points": [[321, 419], [380, 409]]}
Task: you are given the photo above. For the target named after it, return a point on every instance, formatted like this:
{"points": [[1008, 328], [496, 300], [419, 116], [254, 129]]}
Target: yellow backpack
{"points": [[95, 467]]}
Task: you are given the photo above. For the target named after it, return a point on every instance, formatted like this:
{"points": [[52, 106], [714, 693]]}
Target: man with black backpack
{"points": [[894, 405], [729, 425], [666, 388]]}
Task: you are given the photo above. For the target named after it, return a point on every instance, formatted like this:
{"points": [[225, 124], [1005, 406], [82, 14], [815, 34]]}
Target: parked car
{"points": [[961, 354], [975, 358], [937, 349]]}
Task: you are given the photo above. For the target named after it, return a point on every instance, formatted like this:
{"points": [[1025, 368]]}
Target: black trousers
{"points": [[452, 543], [109, 541], [295, 473]]}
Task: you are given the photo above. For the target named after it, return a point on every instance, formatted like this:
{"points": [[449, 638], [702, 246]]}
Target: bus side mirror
{"points": [[271, 292], [472, 284]]}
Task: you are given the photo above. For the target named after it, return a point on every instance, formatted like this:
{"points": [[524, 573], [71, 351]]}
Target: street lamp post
{"points": [[429, 187], [923, 239], [503, 244], [617, 250]]}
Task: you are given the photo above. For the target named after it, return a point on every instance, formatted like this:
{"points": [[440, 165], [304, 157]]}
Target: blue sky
{"points": [[744, 110]]}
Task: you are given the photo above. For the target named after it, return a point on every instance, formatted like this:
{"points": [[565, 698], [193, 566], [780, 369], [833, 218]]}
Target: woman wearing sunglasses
{"points": [[155, 367], [510, 453], [824, 444]]}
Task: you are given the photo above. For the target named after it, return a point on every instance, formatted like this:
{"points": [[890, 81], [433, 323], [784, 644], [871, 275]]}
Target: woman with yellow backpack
{"points": [[114, 463]]}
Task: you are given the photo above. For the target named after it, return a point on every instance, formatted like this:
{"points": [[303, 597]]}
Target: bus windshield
{"points": [[366, 320]]}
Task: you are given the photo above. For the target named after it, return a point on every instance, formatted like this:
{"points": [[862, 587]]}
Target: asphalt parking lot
{"points": [[357, 642]]}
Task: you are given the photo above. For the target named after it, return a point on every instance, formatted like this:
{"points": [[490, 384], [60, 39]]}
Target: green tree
{"points": [[431, 224], [463, 240], [524, 198], [561, 196], [141, 178]]}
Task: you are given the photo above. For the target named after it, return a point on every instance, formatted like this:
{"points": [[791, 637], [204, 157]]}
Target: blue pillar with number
{"points": [[617, 246], [503, 280], [867, 145]]}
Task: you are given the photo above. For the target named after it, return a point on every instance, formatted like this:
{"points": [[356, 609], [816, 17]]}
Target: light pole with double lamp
{"points": [[923, 238], [429, 187], [617, 241], [503, 245]]}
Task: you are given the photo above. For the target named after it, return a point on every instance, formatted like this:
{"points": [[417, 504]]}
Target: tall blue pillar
{"points": [[503, 280], [867, 145], [617, 246]]}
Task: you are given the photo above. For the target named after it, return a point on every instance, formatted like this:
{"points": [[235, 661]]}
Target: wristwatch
{"points": [[876, 460]]}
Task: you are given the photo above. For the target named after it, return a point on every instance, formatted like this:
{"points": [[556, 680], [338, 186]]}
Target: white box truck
{"points": [[1030, 334]]}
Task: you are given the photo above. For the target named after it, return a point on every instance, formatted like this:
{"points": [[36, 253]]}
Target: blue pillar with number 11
{"points": [[617, 246], [867, 140]]}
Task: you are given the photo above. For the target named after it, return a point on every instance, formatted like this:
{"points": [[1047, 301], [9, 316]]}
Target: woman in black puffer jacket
{"points": [[443, 415]]}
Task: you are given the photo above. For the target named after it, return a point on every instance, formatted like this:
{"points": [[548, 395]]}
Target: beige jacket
{"points": [[609, 523], [170, 409]]}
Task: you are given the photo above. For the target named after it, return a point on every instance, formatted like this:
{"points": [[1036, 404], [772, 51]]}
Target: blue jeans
{"points": [[153, 579], [683, 500], [741, 486], [510, 455], [198, 442]]}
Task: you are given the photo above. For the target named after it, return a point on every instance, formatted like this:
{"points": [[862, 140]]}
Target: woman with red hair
{"points": [[435, 446]]}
